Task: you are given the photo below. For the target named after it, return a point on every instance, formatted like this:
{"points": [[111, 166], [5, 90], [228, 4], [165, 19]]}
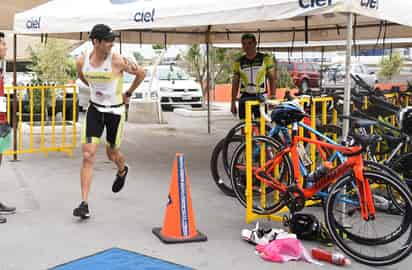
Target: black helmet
{"points": [[305, 226], [405, 119]]}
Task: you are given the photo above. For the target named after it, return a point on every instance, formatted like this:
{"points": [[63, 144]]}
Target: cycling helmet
{"points": [[287, 113], [305, 226], [405, 119]]}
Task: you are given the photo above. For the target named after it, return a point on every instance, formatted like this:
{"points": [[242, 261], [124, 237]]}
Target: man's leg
{"points": [[92, 130], [6, 210], [86, 176], [86, 172], [114, 133], [117, 158]]}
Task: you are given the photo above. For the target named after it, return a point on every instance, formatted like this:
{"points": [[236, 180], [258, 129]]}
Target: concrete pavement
{"points": [[45, 190]]}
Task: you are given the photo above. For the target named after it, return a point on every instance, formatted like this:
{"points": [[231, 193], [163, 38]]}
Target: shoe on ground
{"points": [[7, 210], [3, 220], [259, 236], [120, 180], [82, 211]]}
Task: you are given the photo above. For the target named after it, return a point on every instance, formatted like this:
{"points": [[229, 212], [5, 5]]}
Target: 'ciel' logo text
{"points": [[374, 4], [33, 23], [314, 3], [144, 16]]}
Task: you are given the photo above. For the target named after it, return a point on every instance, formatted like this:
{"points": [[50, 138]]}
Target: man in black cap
{"points": [[102, 70], [5, 136]]}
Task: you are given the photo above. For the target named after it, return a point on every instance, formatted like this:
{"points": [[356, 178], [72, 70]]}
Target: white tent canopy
{"points": [[327, 46], [9, 7], [216, 21], [186, 21]]}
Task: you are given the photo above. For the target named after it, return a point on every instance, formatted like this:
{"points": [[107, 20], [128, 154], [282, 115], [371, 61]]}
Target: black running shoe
{"points": [[4, 210], [82, 211], [119, 181], [3, 219]]}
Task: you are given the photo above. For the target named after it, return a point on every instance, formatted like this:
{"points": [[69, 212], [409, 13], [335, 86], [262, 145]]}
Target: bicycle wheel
{"points": [[219, 173], [283, 172], [382, 240], [403, 165], [383, 204], [237, 132]]}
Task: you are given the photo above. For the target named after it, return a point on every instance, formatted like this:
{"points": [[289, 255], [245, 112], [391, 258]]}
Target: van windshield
{"points": [[128, 78], [172, 73]]}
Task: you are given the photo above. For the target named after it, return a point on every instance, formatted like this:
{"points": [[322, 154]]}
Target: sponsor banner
{"points": [[372, 4], [33, 23], [306, 4]]}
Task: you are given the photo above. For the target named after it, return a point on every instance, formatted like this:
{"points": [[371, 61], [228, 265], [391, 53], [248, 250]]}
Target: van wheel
{"points": [[167, 108]]}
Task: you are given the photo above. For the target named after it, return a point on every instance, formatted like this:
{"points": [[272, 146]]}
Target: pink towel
{"points": [[283, 250]]}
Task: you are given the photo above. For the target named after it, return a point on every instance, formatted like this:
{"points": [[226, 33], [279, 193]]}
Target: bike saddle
{"points": [[392, 140], [366, 140], [357, 122], [361, 123]]}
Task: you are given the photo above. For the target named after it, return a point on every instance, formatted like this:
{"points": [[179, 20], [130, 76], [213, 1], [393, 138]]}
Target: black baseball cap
{"points": [[103, 32]]}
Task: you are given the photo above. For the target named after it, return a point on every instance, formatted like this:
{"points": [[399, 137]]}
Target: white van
{"points": [[176, 87]]}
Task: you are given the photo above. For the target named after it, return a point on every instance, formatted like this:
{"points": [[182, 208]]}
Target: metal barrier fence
{"points": [[43, 118]]}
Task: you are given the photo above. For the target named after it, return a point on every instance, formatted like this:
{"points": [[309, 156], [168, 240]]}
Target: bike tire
{"points": [[233, 134], [238, 176], [347, 241], [219, 173]]}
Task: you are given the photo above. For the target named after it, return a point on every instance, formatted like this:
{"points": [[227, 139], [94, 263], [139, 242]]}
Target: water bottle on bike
{"points": [[317, 174]]}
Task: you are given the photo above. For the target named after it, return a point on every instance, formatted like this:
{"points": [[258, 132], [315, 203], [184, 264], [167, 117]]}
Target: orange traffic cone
{"points": [[179, 223]]}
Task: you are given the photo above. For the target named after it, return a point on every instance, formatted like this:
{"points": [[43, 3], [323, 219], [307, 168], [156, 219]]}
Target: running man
{"points": [[102, 70]]}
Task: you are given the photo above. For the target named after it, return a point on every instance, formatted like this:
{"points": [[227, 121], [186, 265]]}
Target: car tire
{"points": [[69, 114], [167, 108]]}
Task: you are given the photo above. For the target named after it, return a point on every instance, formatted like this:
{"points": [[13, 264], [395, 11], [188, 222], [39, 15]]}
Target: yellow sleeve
{"points": [[236, 68]]}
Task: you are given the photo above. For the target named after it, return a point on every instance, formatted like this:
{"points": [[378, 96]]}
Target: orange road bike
{"points": [[359, 228]]}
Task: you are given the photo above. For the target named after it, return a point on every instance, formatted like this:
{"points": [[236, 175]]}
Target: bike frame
{"points": [[353, 162]]}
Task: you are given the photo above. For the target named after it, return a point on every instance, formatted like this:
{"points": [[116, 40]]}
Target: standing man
{"points": [[251, 72], [5, 133], [102, 70]]}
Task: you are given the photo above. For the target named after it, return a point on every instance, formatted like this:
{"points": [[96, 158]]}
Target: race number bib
{"points": [[3, 104]]}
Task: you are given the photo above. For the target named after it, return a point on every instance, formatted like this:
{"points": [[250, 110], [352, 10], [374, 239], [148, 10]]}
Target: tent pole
{"points": [[120, 43], [346, 99], [208, 78], [321, 68], [14, 114]]}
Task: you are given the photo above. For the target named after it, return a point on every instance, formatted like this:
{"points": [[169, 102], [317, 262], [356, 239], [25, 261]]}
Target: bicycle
{"points": [[351, 195], [224, 149], [394, 138]]}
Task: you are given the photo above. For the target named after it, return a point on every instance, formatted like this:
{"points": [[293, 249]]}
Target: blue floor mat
{"points": [[119, 259]]}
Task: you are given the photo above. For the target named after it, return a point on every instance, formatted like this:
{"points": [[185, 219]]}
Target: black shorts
{"points": [[94, 124], [242, 106]]}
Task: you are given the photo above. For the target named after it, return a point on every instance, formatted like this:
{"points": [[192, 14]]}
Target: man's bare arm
{"points": [[235, 89], [79, 67], [272, 82], [235, 86], [136, 70]]}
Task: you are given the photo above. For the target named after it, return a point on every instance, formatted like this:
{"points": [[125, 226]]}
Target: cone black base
{"points": [[200, 237]]}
